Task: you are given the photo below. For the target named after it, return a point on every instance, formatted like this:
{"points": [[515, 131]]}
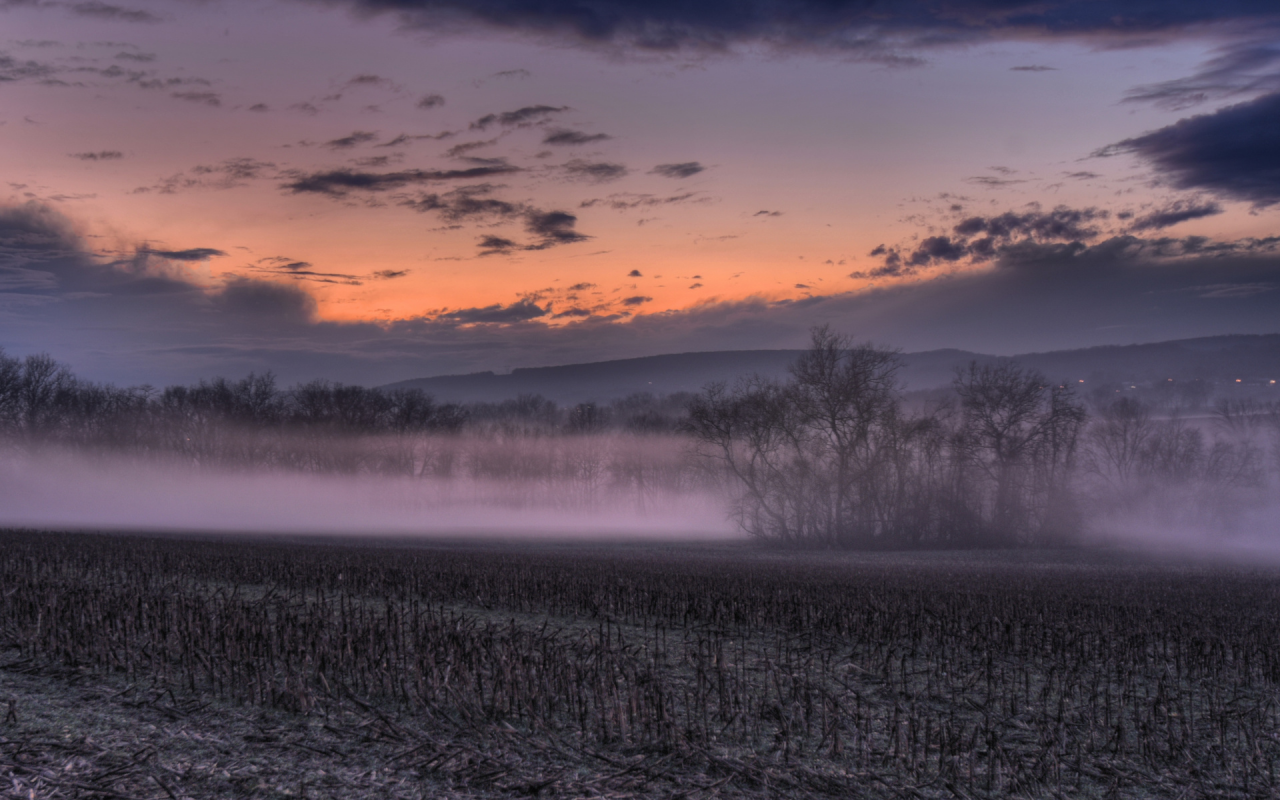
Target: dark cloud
{"points": [[581, 287], [635, 273], [685, 169], [11, 69], [993, 182], [355, 139], [597, 171], [574, 312], [1233, 152], [553, 228], [105, 11], [338, 182], [567, 137], [369, 80], [625, 201], [767, 214], [636, 300], [193, 254], [1060, 223], [304, 271], [855, 28], [388, 274], [100, 155], [431, 101], [237, 169], [521, 116], [497, 245], [259, 107], [405, 138], [141, 58], [144, 80], [1173, 213], [205, 98], [276, 303], [550, 228], [980, 239], [938, 249], [523, 311], [135, 313], [32, 228], [1240, 68], [1033, 68], [468, 202], [461, 150], [230, 174], [802, 286]]}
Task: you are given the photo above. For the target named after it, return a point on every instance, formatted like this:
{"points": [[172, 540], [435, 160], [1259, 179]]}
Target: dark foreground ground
{"points": [[135, 667]]}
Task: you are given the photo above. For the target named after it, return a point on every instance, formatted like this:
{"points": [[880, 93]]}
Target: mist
{"points": [[1205, 486], [70, 490], [837, 457]]}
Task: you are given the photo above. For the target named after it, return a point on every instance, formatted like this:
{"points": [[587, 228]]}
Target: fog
{"points": [[834, 458], [1233, 524], [66, 490]]}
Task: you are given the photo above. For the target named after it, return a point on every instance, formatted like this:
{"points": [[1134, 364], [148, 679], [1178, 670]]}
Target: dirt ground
{"points": [[69, 734]]}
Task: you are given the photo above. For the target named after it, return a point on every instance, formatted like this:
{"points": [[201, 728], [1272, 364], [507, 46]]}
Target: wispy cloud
{"points": [[1173, 213], [339, 182], [521, 116], [99, 155], [564, 137], [594, 171], [106, 11], [1233, 152], [354, 139], [684, 169]]}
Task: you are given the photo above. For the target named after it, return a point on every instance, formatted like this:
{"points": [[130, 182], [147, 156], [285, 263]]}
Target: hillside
{"points": [[1252, 359]]}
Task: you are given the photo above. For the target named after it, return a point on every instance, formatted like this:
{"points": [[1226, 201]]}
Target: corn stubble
{"points": [[489, 672]]}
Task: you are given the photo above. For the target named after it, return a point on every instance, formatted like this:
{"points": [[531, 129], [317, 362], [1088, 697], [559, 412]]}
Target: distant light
{"points": [[1171, 379], [1083, 381], [1237, 380], [1273, 381]]}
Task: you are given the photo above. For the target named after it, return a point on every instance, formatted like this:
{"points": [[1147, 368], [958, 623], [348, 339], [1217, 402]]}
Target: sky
{"points": [[374, 190]]}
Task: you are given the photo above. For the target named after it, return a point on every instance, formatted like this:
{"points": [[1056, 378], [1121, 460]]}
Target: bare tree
{"points": [[1021, 433], [815, 456], [1119, 440]]}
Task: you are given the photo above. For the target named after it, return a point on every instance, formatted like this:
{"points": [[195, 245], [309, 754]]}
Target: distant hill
{"points": [[1251, 359], [1219, 358]]}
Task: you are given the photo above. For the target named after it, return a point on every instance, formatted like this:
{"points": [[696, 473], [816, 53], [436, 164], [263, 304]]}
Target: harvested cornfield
{"points": [[240, 667]]}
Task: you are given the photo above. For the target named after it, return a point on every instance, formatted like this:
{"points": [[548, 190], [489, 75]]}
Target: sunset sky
{"points": [[375, 190]]}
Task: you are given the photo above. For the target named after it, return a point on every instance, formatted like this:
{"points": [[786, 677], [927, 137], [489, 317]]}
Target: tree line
{"points": [[320, 426], [837, 455], [834, 456]]}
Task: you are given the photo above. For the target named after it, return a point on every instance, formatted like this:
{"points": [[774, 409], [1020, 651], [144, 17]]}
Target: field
{"points": [[169, 667]]}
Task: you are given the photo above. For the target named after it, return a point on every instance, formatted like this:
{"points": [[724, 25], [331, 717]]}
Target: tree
{"points": [[811, 455], [1120, 440], [40, 380], [1021, 433]]}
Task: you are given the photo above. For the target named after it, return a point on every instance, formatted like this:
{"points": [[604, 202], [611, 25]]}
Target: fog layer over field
{"points": [[836, 457], [69, 490]]}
